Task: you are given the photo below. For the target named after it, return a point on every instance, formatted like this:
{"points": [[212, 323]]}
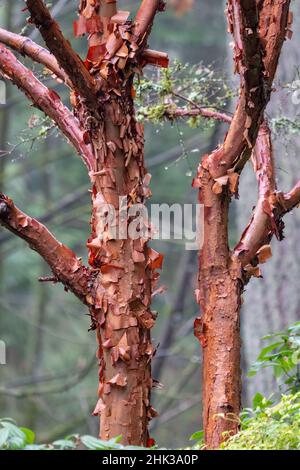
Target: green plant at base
{"points": [[13, 437], [272, 428]]}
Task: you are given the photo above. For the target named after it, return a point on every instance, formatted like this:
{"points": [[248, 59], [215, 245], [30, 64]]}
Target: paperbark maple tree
{"points": [[118, 285], [259, 28]]}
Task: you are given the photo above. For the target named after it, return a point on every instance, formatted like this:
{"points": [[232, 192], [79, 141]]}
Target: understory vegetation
{"points": [[271, 423]]}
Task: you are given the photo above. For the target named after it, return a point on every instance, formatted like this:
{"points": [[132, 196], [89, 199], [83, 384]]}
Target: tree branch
{"points": [[292, 198], [259, 30], [63, 262], [37, 53], [271, 206], [46, 100], [203, 112], [262, 223], [144, 18], [61, 48]]}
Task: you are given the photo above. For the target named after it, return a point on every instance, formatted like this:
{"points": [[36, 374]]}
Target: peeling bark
{"points": [[125, 268], [123, 287], [218, 329], [61, 48]]}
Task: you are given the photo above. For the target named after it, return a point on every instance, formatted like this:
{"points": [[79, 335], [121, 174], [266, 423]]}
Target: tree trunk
{"points": [[219, 296], [124, 270], [221, 358]]}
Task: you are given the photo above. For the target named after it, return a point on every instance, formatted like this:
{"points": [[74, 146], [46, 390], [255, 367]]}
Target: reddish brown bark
{"points": [[266, 221], [126, 268], [123, 287], [28, 47], [61, 48], [221, 274]]}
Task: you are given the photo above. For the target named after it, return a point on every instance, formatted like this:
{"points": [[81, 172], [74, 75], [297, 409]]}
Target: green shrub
{"points": [[13, 437], [271, 428]]}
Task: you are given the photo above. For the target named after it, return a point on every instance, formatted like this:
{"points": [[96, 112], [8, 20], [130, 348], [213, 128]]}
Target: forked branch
{"points": [[259, 30], [61, 48], [46, 100], [63, 262]]}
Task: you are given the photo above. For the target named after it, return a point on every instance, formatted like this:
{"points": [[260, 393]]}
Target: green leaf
{"points": [[258, 400], [93, 443], [64, 444], [29, 435], [268, 349], [197, 436], [4, 433]]}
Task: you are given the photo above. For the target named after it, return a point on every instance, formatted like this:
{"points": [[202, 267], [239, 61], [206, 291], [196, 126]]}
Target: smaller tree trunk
{"points": [[218, 330], [221, 359]]}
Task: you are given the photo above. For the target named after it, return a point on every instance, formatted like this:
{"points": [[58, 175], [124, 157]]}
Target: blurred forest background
{"points": [[50, 381]]}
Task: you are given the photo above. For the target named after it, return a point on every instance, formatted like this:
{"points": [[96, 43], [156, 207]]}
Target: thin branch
{"points": [[61, 48], [203, 112], [37, 53], [62, 260], [46, 100]]}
